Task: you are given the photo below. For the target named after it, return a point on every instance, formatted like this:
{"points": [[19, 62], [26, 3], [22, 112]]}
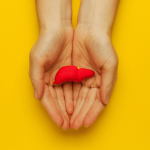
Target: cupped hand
{"points": [[51, 52], [92, 49]]}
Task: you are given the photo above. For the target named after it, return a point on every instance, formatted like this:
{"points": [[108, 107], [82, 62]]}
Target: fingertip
{"points": [[87, 122], [70, 108], [76, 124], [58, 120], [38, 90], [90, 119], [65, 125], [103, 97]]}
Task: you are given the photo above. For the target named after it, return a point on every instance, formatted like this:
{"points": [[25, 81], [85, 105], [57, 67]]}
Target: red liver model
{"points": [[72, 73]]}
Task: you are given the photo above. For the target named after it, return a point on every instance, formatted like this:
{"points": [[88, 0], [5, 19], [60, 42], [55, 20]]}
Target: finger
{"points": [[37, 75], [82, 96], [94, 112], [114, 81], [65, 124], [61, 101], [108, 75], [90, 99], [67, 88], [76, 90], [51, 108]]}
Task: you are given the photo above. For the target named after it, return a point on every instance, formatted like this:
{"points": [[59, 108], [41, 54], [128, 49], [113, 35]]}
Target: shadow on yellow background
{"points": [[123, 125]]}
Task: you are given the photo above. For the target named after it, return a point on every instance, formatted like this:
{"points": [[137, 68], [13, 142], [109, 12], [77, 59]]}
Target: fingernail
{"points": [[35, 94]]}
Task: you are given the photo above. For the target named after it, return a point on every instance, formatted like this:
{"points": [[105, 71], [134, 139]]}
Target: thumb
{"points": [[108, 79], [36, 74]]}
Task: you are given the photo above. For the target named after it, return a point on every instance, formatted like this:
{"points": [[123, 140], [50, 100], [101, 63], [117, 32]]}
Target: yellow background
{"points": [[123, 125]]}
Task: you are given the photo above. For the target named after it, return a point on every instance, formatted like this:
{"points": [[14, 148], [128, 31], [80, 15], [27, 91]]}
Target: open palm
{"points": [[51, 52], [92, 50]]}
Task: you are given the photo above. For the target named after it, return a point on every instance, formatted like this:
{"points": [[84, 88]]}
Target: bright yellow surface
{"points": [[123, 125]]}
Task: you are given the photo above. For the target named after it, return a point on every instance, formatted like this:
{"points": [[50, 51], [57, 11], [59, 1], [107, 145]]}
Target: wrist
{"points": [[53, 14], [57, 32], [94, 30], [99, 14]]}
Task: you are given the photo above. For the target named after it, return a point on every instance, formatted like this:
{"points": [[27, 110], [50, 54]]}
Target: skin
{"points": [[93, 49], [52, 51]]}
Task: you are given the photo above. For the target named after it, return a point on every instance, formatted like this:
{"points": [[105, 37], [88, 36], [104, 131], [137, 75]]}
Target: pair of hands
{"points": [[89, 46], [85, 48]]}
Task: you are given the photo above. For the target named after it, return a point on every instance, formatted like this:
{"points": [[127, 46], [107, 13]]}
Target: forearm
{"points": [[53, 13], [98, 14]]}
